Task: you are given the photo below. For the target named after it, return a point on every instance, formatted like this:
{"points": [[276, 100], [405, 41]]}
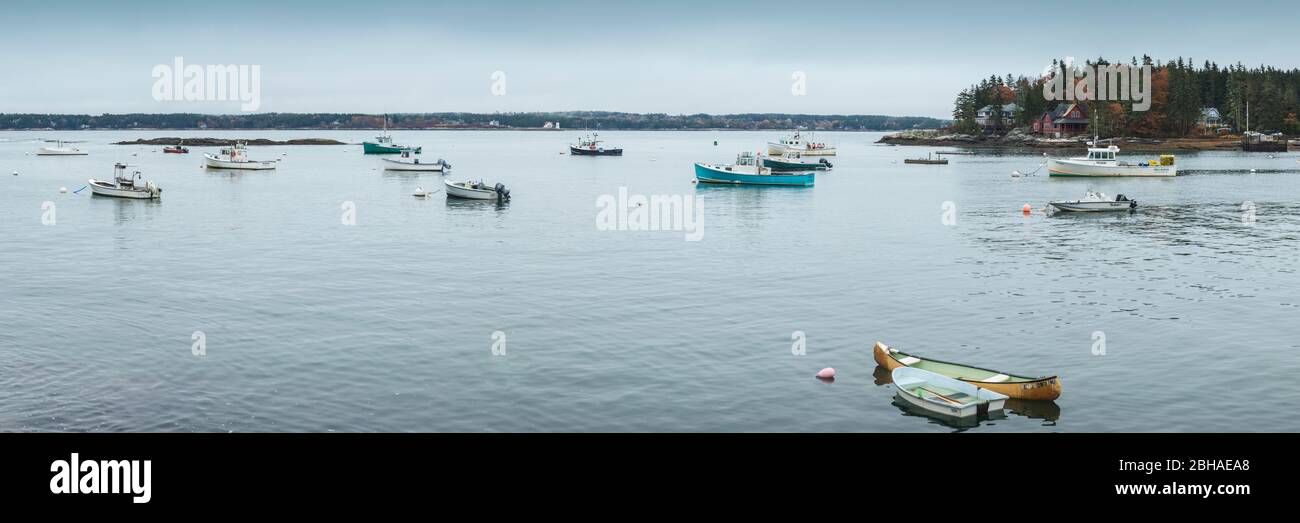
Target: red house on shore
{"points": [[1066, 119]]}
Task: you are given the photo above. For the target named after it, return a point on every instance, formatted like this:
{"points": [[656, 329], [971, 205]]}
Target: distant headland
{"points": [[226, 142], [568, 120]]}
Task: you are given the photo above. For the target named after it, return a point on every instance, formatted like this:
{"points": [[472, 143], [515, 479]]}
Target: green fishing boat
{"points": [[383, 144]]}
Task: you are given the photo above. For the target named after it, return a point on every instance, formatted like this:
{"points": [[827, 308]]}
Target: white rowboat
{"points": [[943, 395]]}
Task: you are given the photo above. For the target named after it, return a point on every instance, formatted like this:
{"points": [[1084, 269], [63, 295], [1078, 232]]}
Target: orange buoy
{"points": [[1026, 209]]}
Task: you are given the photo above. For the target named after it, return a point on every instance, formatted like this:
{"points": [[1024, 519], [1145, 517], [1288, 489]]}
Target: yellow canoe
{"points": [[1020, 387]]}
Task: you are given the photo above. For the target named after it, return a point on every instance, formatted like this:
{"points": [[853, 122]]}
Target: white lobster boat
{"points": [[60, 150], [410, 163], [796, 143], [477, 191], [1102, 161], [235, 157], [125, 186]]}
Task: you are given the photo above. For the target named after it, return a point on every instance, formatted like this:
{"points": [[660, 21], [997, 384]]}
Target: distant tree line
{"points": [[567, 120], [1179, 91]]}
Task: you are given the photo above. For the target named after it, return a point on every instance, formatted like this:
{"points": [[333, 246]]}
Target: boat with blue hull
{"points": [[748, 171]]}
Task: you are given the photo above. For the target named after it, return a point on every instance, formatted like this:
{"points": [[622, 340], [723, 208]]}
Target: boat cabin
{"points": [[236, 153], [746, 158], [590, 142], [1103, 154], [122, 178], [796, 141]]}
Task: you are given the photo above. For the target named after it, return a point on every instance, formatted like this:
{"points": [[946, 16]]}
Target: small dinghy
{"points": [[407, 162], [943, 395], [795, 161], [477, 191], [1044, 388], [1097, 202], [421, 192], [235, 157], [125, 186]]}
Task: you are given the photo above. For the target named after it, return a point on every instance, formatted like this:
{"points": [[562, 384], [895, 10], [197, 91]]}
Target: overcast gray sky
{"points": [[898, 58]]}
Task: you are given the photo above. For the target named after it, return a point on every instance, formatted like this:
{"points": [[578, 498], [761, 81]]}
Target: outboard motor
{"points": [[445, 165], [824, 162], [503, 194]]}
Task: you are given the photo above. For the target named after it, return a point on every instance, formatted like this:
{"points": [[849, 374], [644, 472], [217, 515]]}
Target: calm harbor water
{"points": [[387, 325]]}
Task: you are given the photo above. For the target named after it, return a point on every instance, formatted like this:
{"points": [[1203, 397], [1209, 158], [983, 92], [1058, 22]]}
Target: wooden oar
{"points": [[945, 398]]}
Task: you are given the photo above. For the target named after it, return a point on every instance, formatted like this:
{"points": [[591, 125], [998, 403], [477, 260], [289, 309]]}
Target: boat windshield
{"points": [[1101, 154]]}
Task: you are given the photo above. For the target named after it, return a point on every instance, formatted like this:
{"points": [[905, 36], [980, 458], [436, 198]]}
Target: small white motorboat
{"points": [[236, 157], [125, 186], [943, 395], [60, 150], [1097, 202], [407, 162], [477, 191]]}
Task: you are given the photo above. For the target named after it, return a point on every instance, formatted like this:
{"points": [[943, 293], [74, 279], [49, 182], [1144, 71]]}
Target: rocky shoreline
{"points": [[1020, 140], [224, 142]]}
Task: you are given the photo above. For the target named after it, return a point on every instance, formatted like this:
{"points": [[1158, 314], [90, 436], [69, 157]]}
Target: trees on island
{"points": [[1179, 89]]}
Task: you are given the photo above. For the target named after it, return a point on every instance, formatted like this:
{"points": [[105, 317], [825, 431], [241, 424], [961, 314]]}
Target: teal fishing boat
{"points": [[383, 144], [748, 170]]}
